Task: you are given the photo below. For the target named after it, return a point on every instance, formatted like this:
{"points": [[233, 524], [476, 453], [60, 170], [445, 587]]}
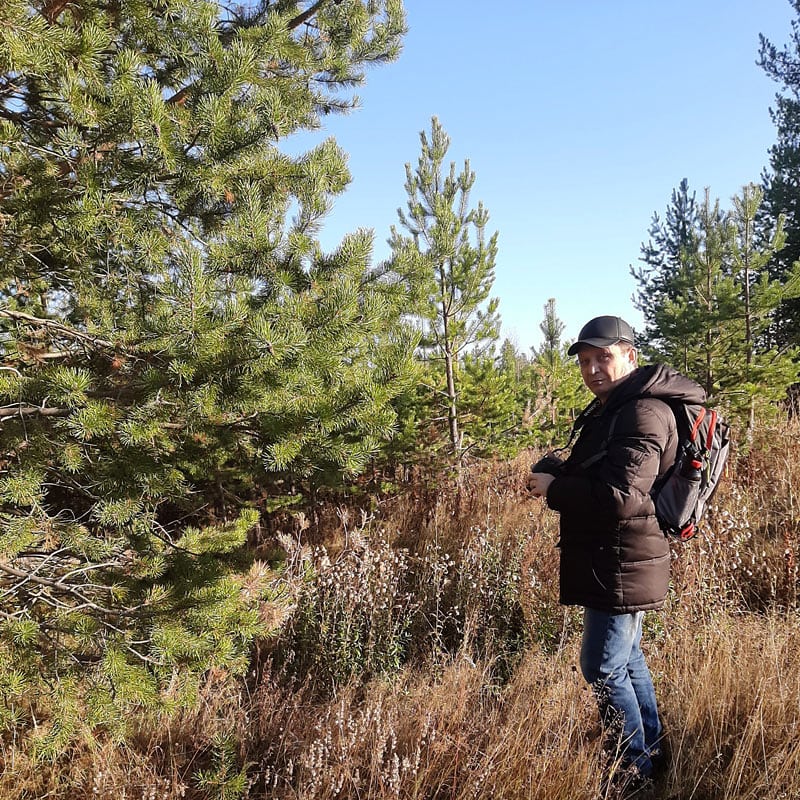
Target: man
{"points": [[614, 557]]}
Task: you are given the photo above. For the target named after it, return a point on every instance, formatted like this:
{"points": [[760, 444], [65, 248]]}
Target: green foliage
{"points": [[353, 614], [662, 258], [174, 340], [448, 265], [507, 402], [556, 393], [710, 302], [781, 180], [420, 437], [767, 370], [491, 416], [225, 779]]}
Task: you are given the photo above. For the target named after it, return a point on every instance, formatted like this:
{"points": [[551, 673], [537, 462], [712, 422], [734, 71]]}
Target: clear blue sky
{"points": [[579, 117]]}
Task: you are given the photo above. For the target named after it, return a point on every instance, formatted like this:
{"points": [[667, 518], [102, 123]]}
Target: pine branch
{"points": [[34, 578], [13, 116], [71, 591], [165, 209], [180, 96], [27, 410], [493, 437], [64, 330]]}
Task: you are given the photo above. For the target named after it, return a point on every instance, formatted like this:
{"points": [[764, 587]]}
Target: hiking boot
{"points": [[637, 786], [626, 783], [661, 757]]}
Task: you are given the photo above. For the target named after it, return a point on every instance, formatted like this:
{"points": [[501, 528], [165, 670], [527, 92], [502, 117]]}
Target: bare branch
{"points": [[20, 316], [52, 9], [307, 14], [70, 590], [26, 410]]}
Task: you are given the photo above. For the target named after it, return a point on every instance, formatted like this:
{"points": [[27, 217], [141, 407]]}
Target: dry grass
{"points": [[427, 657]]}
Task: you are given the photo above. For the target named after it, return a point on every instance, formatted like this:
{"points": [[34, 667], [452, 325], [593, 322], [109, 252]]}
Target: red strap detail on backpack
{"points": [[687, 532], [700, 416], [712, 426]]}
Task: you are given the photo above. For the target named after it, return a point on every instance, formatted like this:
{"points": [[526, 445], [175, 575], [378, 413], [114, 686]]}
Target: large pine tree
{"points": [[174, 341], [782, 179], [672, 241]]}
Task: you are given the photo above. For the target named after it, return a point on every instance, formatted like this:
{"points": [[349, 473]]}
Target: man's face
{"points": [[604, 368]]}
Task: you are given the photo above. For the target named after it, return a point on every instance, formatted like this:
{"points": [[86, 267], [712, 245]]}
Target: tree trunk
{"points": [[748, 333], [452, 400]]}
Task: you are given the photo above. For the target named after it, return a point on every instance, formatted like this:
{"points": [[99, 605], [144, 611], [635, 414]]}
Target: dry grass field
{"points": [[420, 653]]}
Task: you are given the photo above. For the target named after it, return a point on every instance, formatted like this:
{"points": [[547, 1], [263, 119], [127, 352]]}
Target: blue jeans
{"points": [[613, 663]]}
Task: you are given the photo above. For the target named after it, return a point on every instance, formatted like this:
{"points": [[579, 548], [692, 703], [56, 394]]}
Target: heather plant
{"points": [[486, 579], [352, 613], [364, 609], [489, 574]]}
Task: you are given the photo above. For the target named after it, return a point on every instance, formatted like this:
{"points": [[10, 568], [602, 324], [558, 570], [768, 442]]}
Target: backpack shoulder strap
{"points": [[601, 453]]}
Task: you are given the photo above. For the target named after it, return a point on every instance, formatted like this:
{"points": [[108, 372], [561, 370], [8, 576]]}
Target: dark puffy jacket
{"points": [[614, 556]]}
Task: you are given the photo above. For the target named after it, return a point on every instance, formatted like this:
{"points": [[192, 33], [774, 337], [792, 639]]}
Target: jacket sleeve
{"points": [[618, 485]]}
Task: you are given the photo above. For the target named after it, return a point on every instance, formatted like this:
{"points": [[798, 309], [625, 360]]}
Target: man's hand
{"points": [[538, 483]]}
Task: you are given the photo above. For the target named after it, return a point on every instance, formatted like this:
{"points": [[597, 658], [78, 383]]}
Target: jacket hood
{"points": [[658, 381]]}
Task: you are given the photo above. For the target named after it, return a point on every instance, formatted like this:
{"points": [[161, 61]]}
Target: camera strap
{"points": [[580, 421]]}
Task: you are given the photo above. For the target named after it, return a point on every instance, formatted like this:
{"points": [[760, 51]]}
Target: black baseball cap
{"points": [[602, 332]]}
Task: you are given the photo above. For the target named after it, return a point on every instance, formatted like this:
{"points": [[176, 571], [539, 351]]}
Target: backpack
{"points": [[682, 494]]}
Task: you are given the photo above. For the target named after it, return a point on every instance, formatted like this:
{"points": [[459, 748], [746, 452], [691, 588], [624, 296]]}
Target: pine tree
{"points": [[782, 179], [766, 369], [714, 305], [699, 321], [512, 362], [489, 409], [552, 329], [173, 341], [663, 259], [446, 254], [555, 391]]}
